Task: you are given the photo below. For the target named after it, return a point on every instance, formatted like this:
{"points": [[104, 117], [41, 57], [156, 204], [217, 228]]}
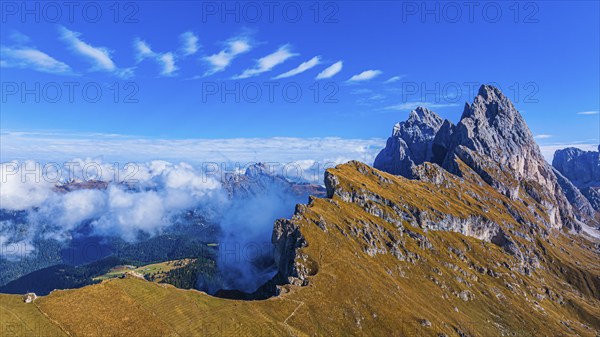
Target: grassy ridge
{"points": [[447, 283]]}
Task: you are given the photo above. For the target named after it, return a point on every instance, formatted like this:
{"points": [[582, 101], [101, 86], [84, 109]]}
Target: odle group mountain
{"points": [[482, 240], [493, 139]]}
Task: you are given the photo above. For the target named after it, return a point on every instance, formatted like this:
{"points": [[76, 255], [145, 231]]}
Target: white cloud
{"points": [[394, 79], [542, 136], [98, 56], [371, 99], [330, 71], [165, 60], [19, 38], [304, 66], [408, 106], [143, 50], [18, 193], [167, 189], [588, 112], [221, 60], [365, 75], [30, 58], [168, 61], [268, 62], [190, 43]]}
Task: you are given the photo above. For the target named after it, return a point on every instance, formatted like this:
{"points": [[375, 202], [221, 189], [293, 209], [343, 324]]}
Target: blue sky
{"points": [[162, 68]]}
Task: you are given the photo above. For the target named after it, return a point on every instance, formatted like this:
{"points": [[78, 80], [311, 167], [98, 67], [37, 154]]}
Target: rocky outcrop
{"points": [[428, 218], [29, 297], [287, 240], [410, 144]]}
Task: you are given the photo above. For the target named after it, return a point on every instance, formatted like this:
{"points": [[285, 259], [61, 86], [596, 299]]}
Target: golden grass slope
{"points": [[157, 271], [453, 285]]}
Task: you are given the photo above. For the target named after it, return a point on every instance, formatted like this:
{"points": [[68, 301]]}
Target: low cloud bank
{"points": [[54, 202], [118, 148]]}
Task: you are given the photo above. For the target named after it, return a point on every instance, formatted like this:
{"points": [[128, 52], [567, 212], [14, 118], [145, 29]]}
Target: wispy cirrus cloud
{"points": [[19, 38], [304, 66], [408, 106], [394, 79], [142, 49], [99, 57], [267, 63], [190, 43], [165, 60], [542, 136], [371, 99], [221, 60], [330, 71], [31, 58], [593, 112], [365, 76]]}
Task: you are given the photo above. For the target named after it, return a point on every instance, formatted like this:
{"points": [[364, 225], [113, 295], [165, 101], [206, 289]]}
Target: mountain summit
{"points": [[411, 143], [493, 140]]}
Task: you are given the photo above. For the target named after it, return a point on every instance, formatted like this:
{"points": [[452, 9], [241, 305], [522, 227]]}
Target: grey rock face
{"points": [[410, 144], [592, 194], [442, 142], [287, 240], [494, 140], [578, 200], [581, 167], [493, 127]]}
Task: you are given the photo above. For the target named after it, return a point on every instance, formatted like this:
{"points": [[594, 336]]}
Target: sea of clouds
{"points": [[142, 200]]}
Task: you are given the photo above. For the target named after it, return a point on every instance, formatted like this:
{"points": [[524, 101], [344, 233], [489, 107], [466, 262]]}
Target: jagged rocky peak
{"points": [[259, 170], [410, 144], [494, 141], [493, 127], [425, 116]]}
